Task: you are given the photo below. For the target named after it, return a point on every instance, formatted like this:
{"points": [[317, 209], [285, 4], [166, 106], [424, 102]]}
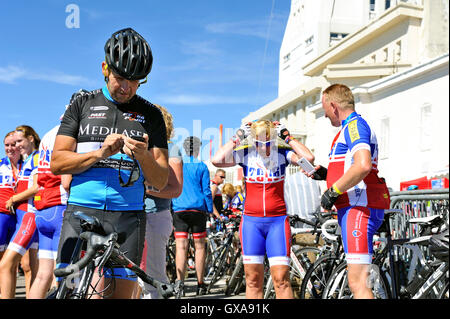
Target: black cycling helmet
{"points": [[128, 54]]}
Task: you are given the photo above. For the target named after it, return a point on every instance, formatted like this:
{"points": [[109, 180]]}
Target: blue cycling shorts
{"points": [[7, 228], [358, 225], [265, 235], [48, 224]]}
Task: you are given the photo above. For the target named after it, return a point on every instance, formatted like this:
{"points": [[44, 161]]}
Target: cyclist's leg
{"points": [[181, 233], [159, 228], [48, 223], [198, 225], [17, 248], [278, 247], [253, 243], [358, 226], [132, 224]]}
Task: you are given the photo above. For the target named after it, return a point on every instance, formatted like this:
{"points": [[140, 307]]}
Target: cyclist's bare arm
{"points": [[66, 161], [175, 182], [361, 167], [224, 156], [300, 151]]}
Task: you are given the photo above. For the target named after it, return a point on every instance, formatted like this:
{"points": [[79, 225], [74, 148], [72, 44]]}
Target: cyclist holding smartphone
{"points": [[111, 141], [354, 188]]}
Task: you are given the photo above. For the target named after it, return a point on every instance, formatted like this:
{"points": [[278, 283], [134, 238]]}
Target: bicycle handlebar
{"points": [[95, 243], [325, 233]]}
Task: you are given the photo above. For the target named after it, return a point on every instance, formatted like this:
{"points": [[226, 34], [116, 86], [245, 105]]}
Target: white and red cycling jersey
{"points": [[25, 180], [51, 192], [8, 182], [264, 180]]}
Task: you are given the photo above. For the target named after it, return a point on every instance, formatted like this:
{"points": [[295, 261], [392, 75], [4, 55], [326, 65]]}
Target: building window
{"points": [[383, 147], [387, 4], [426, 127], [286, 58], [398, 51], [309, 40], [372, 5]]}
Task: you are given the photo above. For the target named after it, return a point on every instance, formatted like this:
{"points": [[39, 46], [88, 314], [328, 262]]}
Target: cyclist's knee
{"points": [[357, 277]]}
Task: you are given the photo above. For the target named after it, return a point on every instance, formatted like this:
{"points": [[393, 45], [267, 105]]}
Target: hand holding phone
{"points": [[306, 166]]}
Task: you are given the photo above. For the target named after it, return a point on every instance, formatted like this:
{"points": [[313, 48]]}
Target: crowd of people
{"points": [[112, 157]]}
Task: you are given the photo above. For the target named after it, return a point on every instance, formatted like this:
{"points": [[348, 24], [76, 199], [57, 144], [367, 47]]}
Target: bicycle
{"points": [[102, 252], [385, 283], [226, 256], [301, 259]]}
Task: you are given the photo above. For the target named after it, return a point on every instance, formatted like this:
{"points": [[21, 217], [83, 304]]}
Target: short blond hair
{"points": [[341, 94], [228, 189], [262, 127], [168, 120]]}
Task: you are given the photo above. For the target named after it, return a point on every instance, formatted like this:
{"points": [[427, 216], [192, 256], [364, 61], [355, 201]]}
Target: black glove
{"points": [[329, 198], [282, 131], [320, 174]]}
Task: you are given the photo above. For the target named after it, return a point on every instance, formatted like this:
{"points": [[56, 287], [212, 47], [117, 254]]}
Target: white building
{"points": [[394, 56]]}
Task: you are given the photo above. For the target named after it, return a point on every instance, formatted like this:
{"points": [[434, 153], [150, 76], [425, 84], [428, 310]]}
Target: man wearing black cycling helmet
{"points": [[111, 141]]}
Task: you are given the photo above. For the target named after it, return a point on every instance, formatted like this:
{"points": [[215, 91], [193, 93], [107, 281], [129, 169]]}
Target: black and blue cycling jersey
{"points": [[90, 118]]}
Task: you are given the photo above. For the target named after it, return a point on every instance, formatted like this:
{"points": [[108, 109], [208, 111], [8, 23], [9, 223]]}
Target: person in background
{"points": [[10, 166], [23, 245], [190, 214], [229, 192], [218, 179], [237, 202], [159, 218], [50, 202]]}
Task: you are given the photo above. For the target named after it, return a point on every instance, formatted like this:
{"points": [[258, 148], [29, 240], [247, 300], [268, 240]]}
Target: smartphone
{"points": [[138, 138], [306, 165]]}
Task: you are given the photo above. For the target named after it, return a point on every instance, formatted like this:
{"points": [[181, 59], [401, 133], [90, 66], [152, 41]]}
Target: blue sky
{"points": [[214, 61]]}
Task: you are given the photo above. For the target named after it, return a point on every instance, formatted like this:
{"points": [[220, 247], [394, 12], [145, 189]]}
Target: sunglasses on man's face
{"points": [[222, 176], [134, 174]]}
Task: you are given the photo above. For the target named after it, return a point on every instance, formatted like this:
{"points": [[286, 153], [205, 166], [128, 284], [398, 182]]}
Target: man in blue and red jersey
{"points": [[354, 187]]}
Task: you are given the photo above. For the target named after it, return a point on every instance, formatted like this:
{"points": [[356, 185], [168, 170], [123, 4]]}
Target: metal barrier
{"points": [[416, 203]]}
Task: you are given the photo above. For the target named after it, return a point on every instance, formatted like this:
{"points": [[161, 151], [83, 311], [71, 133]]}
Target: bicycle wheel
{"points": [[171, 268], [301, 260], [236, 277], [316, 277], [337, 286], [219, 267]]}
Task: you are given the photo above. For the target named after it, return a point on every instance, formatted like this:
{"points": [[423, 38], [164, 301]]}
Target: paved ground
{"points": [[190, 289], [217, 292], [20, 288]]}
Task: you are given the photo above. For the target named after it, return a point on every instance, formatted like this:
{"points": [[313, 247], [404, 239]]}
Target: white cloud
{"points": [[200, 99], [253, 28], [10, 74]]}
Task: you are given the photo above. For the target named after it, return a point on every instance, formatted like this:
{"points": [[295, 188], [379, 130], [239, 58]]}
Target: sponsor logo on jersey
{"points": [[103, 131], [356, 233], [99, 108], [353, 131], [100, 115], [133, 116]]}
